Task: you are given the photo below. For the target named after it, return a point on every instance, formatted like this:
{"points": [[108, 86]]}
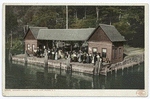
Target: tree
{"points": [[11, 21]]}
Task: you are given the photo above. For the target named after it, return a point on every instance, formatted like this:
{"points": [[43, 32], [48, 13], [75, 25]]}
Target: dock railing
{"points": [[135, 59]]}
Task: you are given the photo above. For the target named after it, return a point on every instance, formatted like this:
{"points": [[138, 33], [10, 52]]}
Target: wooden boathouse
{"points": [[105, 39]]}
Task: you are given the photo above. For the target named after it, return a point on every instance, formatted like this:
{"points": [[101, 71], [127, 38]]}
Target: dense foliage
{"points": [[129, 20]]}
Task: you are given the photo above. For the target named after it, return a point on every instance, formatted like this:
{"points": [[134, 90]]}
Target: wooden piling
{"points": [[25, 58], [115, 69], [71, 67], [46, 58], [10, 55], [138, 68], [122, 67], [105, 71], [122, 72], [68, 62], [60, 65], [132, 67]]}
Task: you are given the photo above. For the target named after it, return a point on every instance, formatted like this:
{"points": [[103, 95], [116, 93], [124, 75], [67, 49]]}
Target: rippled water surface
{"points": [[27, 76]]}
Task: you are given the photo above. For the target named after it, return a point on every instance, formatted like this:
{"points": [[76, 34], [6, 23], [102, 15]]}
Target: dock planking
{"points": [[82, 67]]}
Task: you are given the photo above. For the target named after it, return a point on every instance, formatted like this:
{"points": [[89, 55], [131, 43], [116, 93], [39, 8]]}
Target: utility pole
{"points": [[66, 16], [85, 13], [11, 39], [97, 13], [76, 14], [110, 21]]}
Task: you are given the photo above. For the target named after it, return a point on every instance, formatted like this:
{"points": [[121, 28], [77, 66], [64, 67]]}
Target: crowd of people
{"points": [[74, 56], [80, 56]]}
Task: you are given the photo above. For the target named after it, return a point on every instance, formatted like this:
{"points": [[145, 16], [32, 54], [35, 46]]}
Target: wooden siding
{"points": [[99, 35], [30, 39], [29, 36], [100, 46], [117, 46], [30, 42], [100, 40]]}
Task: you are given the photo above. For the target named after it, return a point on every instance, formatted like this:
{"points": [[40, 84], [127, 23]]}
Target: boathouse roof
{"points": [[112, 33], [35, 30], [65, 34], [43, 33]]}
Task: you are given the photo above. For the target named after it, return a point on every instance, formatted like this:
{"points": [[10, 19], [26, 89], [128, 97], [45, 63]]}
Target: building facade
{"points": [[105, 39], [30, 39]]}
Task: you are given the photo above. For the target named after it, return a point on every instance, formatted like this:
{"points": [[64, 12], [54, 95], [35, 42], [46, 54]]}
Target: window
{"points": [[115, 53], [104, 52], [33, 47], [94, 50], [28, 47], [119, 52]]}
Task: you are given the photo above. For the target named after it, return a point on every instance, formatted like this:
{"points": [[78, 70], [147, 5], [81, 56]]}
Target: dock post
{"points": [[99, 66], [105, 71], [122, 72], [115, 72], [122, 67], [115, 69], [25, 59], [71, 68], [46, 58], [132, 67], [111, 72], [10, 56], [68, 62], [60, 65], [138, 68]]}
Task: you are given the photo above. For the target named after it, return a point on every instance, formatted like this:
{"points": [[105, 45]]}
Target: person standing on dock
{"points": [[49, 53], [46, 58], [98, 57], [87, 58], [75, 57], [90, 58], [44, 52], [84, 57], [53, 55], [79, 60], [100, 65], [56, 56], [93, 59], [81, 56], [97, 64], [68, 61]]}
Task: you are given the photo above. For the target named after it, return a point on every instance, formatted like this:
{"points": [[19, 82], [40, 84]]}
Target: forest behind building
{"points": [[129, 20]]}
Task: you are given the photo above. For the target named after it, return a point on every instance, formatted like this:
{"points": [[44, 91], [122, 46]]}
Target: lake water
{"points": [[27, 76]]}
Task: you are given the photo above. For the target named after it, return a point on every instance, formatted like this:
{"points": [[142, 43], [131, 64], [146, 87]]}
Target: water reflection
{"points": [[23, 75]]}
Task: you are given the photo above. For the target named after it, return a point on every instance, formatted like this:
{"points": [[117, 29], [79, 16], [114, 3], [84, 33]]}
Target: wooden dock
{"points": [[81, 67], [126, 63]]}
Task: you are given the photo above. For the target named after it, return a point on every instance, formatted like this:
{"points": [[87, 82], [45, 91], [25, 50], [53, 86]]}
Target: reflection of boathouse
{"points": [[105, 39]]}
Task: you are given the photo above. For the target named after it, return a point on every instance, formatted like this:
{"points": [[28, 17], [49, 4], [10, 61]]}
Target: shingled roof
{"points": [[65, 34], [43, 33], [35, 30], [112, 33]]}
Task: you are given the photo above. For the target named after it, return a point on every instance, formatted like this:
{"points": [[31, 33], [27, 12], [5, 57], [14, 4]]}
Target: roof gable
{"points": [[99, 35], [29, 36], [65, 34], [35, 30], [112, 33]]}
